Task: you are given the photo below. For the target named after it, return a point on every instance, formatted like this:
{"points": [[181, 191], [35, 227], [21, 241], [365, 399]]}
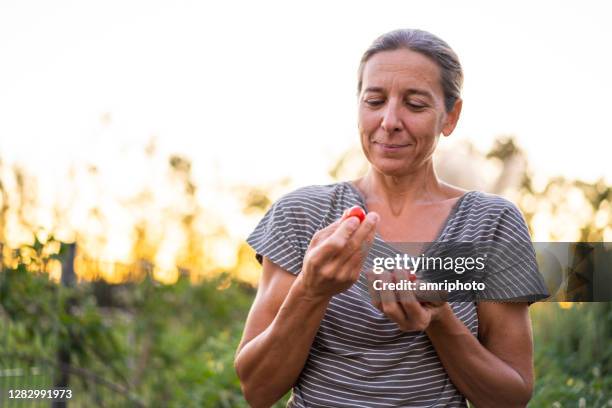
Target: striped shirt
{"points": [[359, 358]]}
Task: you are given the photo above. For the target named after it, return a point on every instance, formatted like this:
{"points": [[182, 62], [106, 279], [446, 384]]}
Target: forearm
{"points": [[480, 375], [270, 363]]}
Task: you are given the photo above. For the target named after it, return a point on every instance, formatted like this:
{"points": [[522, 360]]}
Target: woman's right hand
{"points": [[335, 256]]}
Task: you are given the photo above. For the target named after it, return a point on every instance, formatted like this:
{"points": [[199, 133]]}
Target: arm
{"points": [[278, 334], [287, 311], [498, 369], [495, 370]]}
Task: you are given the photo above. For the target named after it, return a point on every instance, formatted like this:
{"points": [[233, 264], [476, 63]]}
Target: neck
{"points": [[401, 192]]}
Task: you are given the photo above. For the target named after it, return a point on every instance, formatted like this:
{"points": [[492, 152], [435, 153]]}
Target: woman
{"points": [[313, 327]]}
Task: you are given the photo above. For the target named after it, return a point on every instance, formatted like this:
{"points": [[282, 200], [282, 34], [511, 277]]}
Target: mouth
{"points": [[392, 146]]}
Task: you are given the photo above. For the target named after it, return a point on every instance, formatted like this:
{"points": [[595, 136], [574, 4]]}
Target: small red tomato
{"points": [[354, 211]]}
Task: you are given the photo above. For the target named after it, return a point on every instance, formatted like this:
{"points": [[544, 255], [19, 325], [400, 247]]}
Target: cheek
{"points": [[367, 123], [424, 126]]}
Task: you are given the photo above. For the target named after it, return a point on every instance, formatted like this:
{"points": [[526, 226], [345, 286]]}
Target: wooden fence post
{"points": [[68, 279]]}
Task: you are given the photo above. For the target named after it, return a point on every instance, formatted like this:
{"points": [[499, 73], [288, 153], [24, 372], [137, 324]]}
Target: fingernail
{"points": [[373, 217]]}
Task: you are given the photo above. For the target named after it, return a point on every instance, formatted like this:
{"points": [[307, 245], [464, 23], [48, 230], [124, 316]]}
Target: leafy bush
{"points": [[173, 345]]}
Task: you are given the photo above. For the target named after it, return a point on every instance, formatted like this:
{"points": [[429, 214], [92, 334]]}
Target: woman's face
{"points": [[401, 111]]}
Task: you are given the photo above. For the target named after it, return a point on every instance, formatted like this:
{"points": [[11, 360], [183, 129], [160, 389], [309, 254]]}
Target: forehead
{"points": [[402, 68]]}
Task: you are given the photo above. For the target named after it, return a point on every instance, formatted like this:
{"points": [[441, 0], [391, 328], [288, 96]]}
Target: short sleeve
{"points": [[511, 272], [283, 234]]}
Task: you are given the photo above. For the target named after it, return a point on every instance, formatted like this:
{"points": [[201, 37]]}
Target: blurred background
{"points": [[141, 142]]}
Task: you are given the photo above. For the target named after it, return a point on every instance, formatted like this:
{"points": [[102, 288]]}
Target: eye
{"points": [[415, 105], [374, 102]]}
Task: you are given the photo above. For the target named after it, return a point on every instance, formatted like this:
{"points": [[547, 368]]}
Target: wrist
{"points": [[303, 293], [441, 318]]}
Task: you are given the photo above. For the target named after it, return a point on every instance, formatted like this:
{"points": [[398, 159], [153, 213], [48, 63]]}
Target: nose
{"points": [[391, 121]]}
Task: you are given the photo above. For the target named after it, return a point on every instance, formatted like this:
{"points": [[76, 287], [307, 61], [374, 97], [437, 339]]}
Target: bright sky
{"points": [[257, 91], [225, 80]]}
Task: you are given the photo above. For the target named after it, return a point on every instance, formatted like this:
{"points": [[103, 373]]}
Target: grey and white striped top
{"points": [[359, 358]]}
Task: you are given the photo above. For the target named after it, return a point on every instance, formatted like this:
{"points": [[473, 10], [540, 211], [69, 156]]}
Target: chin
{"points": [[391, 167]]}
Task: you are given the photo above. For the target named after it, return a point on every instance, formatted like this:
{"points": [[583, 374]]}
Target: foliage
{"points": [[170, 344], [174, 344], [573, 358]]}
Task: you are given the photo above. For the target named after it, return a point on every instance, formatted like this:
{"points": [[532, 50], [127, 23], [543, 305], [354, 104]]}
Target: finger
{"points": [[369, 238], [355, 262], [324, 233], [390, 305], [387, 296], [395, 313], [361, 239], [408, 300], [432, 297], [350, 270], [335, 243], [374, 294], [408, 294]]}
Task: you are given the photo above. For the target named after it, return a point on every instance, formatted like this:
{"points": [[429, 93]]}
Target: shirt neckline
{"points": [[443, 228]]}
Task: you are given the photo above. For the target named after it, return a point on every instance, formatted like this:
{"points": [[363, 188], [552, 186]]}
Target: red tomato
{"points": [[354, 211]]}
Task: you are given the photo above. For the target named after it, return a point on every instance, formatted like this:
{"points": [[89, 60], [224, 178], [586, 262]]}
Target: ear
{"points": [[452, 118]]}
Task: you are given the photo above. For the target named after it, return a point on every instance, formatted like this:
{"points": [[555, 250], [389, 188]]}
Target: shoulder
{"points": [[488, 216], [490, 200], [285, 231], [490, 204], [312, 194], [319, 193], [316, 204]]}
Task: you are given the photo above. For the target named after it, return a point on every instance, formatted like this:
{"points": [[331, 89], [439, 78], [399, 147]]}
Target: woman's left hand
{"points": [[412, 310]]}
